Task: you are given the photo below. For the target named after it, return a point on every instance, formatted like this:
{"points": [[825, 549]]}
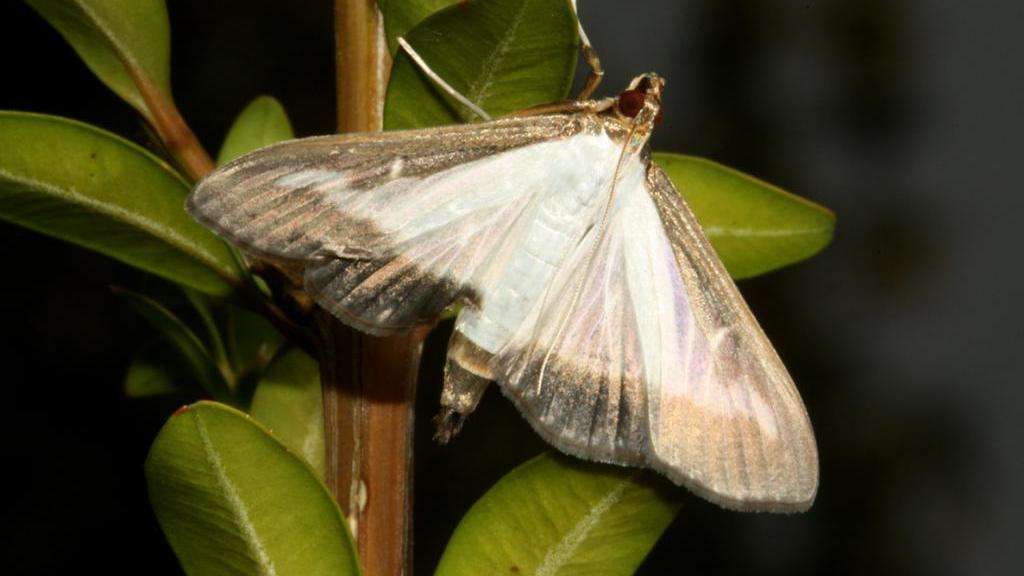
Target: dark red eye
{"points": [[631, 102]]}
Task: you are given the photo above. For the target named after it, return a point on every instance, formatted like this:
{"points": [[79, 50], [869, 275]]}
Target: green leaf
{"points": [[557, 515], [232, 500], [504, 55], [214, 341], [263, 122], [401, 16], [158, 370], [252, 340], [754, 226], [126, 43], [289, 402], [191, 348], [81, 184]]}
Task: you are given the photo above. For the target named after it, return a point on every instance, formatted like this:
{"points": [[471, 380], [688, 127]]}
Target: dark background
{"points": [[904, 336]]}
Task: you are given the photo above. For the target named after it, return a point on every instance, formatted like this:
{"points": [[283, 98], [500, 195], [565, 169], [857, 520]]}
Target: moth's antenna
{"points": [[590, 57], [440, 81]]}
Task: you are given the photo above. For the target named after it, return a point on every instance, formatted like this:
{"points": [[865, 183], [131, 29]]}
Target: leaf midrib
{"points": [[239, 511], [762, 232], [491, 64], [562, 551]]}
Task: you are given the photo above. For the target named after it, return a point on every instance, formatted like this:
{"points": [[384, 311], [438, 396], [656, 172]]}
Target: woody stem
{"points": [[368, 383]]}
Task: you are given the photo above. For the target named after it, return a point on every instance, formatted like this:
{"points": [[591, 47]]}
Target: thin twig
{"points": [[179, 140]]}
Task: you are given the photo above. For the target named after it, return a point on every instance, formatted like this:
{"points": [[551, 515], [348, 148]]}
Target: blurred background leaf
{"points": [[159, 369], [504, 55], [232, 500], [190, 347], [252, 341], [126, 43], [289, 402], [261, 123], [214, 341], [109, 195], [557, 515], [755, 227]]}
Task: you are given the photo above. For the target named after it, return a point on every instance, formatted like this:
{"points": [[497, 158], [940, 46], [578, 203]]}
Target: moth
{"points": [[589, 292]]}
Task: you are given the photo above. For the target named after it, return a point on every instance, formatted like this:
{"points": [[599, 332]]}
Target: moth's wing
{"points": [[767, 457], [659, 362], [573, 367], [388, 227]]}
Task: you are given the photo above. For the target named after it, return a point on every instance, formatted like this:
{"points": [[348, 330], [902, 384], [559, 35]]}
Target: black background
{"points": [[904, 336]]}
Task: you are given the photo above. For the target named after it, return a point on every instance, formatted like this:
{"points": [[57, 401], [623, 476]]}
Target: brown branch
{"points": [[369, 383], [369, 389]]}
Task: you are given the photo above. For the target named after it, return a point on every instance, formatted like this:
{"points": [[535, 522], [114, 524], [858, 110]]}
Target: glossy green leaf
{"points": [[191, 348], [755, 227], [81, 184], [401, 16], [234, 501], [557, 515], [126, 43], [289, 402], [159, 370], [261, 123], [504, 55]]}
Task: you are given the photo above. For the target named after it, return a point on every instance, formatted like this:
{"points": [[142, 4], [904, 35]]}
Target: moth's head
{"points": [[642, 100]]}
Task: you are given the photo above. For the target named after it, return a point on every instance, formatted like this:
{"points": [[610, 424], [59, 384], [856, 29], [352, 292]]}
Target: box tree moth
{"points": [[590, 294]]}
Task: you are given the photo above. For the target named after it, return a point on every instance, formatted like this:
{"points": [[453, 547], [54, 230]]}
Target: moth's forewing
{"points": [[386, 236]]}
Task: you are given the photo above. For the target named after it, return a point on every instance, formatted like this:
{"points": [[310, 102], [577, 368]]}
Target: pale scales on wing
{"points": [[570, 251]]}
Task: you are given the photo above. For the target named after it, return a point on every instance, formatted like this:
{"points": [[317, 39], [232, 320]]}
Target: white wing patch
{"points": [[576, 179]]}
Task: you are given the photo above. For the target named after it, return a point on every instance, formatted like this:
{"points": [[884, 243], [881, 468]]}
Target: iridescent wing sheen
{"points": [[389, 228], [647, 355]]}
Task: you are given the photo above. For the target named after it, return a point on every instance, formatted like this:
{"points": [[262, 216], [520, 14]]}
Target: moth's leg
{"points": [[590, 57], [440, 81]]}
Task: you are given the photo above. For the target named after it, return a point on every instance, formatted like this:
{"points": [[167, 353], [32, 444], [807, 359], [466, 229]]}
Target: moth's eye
{"points": [[644, 84], [631, 102]]}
